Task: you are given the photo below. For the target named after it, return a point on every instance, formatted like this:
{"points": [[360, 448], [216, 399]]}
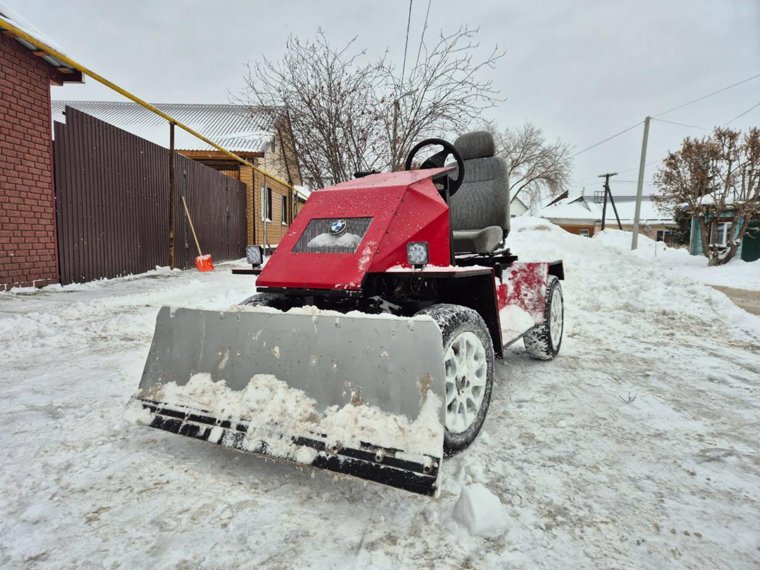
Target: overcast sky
{"points": [[580, 70]]}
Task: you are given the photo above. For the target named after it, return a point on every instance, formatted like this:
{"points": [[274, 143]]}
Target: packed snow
{"points": [[480, 511], [635, 448], [514, 322]]}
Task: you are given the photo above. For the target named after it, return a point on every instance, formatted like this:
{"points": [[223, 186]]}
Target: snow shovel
{"points": [[357, 395], [202, 262]]}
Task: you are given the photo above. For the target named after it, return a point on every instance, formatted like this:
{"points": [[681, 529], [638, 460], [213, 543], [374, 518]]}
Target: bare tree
{"points": [[328, 95], [349, 114], [442, 93], [717, 180], [538, 169]]}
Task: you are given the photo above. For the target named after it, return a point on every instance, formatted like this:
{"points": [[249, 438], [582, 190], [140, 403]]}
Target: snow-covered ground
{"points": [[635, 448], [677, 261]]}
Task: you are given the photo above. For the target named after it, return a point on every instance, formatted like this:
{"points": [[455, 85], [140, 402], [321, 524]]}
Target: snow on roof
{"points": [[301, 190], [589, 208], [15, 19], [238, 128], [518, 199]]}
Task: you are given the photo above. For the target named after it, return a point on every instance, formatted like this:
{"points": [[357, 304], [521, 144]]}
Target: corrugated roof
{"points": [[589, 208], [238, 128], [15, 19]]}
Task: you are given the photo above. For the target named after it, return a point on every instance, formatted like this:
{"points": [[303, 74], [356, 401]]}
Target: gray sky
{"points": [[580, 70]]}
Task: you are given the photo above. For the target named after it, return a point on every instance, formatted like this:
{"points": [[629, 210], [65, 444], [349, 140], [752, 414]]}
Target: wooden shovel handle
{"points": [[192, 229]]}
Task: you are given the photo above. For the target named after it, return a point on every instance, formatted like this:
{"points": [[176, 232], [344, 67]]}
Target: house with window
{"points": [[749, 248], [249, 132], [582, 215]]}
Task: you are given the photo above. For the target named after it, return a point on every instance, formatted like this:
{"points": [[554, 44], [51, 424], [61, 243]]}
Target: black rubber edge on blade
{"points": [[362, 463]]}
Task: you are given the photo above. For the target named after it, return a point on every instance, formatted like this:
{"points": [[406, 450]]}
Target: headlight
{"points": [[417, 253]]}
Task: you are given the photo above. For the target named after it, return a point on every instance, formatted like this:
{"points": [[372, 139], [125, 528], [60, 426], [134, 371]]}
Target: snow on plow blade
{"points": [[360, 395]]}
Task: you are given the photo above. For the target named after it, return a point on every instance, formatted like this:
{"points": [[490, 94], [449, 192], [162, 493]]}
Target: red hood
{"points": [[404, 206]]}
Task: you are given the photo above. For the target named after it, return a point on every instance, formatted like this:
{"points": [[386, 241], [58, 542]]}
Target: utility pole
{"points": [[172, 256], [396, 162], [640, 184], [394, 141], [608, 193]]}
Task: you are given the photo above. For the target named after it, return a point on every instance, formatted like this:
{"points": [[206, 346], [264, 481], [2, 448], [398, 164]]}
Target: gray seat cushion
{"points": [[480, 209], [477, 241]]}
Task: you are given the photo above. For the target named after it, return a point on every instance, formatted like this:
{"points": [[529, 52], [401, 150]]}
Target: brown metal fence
{"points": [[112, 191]]}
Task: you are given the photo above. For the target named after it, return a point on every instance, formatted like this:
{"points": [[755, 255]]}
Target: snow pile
{"points": [[514, 322], [135, 413], [603, 282], [278, 412], [480, 511], [678, 262]]}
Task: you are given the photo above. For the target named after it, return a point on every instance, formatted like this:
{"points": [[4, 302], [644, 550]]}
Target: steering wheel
{"points": [[438, 160]]}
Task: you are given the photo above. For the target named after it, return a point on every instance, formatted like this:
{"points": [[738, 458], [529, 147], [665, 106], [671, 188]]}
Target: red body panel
{"points": [[404, 206], [526, 287]]}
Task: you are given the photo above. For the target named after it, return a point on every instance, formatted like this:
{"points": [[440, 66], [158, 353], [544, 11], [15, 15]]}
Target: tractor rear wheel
{"points": [[469, 367], [544, 341]]}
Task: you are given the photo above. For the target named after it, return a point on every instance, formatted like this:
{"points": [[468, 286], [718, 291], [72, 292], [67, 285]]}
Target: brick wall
{"points": [[27, 206]]}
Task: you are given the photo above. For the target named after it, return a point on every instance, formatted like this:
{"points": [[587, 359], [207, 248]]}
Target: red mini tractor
{"points": [[369, 348]]}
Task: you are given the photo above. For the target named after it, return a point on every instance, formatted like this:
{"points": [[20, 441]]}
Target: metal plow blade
{"points": [[360, 395]]}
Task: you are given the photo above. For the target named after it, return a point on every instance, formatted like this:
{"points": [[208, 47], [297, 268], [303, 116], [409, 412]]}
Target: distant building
{"points": [[748, 249], [249, 132], [582, 215], [517, 207]]}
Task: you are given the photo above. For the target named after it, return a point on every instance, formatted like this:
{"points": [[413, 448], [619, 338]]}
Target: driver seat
{"points": [[479, 210]]}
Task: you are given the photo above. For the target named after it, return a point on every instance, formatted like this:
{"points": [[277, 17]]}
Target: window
{"points": [[720, 237], [284, 214], [663, 235], [266, 204], [583, 233]]}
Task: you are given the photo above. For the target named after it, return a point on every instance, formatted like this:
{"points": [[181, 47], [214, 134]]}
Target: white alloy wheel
{"points": [[468, 361], [556, 319], [466, 368]]}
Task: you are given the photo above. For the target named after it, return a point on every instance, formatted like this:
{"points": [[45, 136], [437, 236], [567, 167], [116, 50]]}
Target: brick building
{"points": [[27, 201]]}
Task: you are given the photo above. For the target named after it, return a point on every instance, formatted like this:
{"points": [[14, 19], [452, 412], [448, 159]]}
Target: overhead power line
{"points": [[601, 142], [740, 115], [422, 35], [681, 124], [681, 106], [406, 42]]}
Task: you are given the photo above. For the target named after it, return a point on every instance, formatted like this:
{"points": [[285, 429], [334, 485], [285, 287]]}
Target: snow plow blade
{"points": [[359, 395]]}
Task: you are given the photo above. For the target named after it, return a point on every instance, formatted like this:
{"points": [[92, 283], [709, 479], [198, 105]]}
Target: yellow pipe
{"points": [[71, 63]]}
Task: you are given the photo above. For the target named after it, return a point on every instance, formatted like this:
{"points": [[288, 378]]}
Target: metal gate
{"points": [[751, 242], [112, 193]]}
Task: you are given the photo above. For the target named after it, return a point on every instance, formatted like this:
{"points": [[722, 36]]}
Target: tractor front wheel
{"points": [[273, 300], [469, 368], [544, 341]]}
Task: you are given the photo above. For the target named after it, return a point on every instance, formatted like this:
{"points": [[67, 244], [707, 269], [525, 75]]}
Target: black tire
{"points": [[454, 320], [268, 300], [539, 342]]}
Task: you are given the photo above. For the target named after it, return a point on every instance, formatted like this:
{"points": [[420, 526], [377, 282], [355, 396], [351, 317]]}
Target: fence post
{"points": [[172, 259]]}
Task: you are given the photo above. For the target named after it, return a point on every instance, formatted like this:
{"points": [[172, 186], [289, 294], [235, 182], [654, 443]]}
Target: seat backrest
{"points": [[483, 198]]}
